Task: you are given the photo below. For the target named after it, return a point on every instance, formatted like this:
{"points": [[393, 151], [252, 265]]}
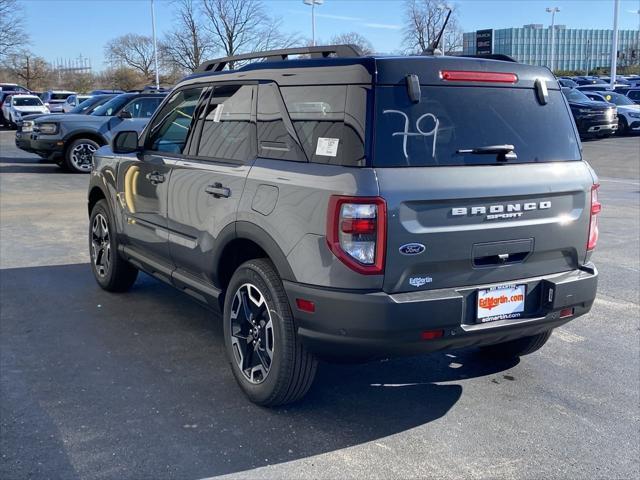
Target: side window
{"points": [[173, 123], [227, 130], [634, 95], [276, 137], [329, 121], [143, 107]]}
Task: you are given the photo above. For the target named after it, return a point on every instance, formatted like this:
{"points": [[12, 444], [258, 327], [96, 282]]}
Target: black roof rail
{"points": [[492, 56], [218, 64]]}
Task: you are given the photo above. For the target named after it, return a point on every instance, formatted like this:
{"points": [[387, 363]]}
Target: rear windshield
{"points": [[27, 102], [449, 119]]}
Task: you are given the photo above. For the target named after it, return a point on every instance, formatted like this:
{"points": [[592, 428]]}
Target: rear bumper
{"points": [[353, 324]]}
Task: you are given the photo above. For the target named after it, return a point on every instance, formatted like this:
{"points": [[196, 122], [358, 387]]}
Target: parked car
{"points": [[25, 127], [567, 82], [13, 87], [4, 94], [588, 81], [592, 118], [105, 91], [72, 101], [71, 139], [55, 98], [634, 95], [354, 206], [628, 112], [17, 105]]}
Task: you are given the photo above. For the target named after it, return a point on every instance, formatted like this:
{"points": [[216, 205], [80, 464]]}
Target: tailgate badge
{"points": [[412, 249], [419, 281]]}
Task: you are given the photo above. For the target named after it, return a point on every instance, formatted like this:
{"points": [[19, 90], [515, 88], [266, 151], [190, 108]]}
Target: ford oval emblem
{"points": [[412, 249]]}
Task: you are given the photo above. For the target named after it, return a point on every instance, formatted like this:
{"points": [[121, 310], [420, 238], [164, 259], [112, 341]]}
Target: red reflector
{"points": [[431, 334], [470, 76], [305, 305], [566, 312], [359, 225]]}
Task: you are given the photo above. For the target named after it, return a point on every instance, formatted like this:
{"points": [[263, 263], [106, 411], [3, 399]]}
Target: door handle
{"points": [[218, 191], [155, 177]]}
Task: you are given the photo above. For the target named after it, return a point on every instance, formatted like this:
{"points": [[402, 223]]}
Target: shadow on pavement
{"points": [[137, 385], [31, 164]]}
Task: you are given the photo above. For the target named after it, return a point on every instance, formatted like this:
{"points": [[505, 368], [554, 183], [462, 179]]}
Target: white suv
{"points": [[19, 105]]}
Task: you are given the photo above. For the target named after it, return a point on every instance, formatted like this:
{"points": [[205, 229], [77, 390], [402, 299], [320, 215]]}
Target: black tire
{"points": [[517, 348], [623, 127], [110, 270], [291, 367], [78, 157]]}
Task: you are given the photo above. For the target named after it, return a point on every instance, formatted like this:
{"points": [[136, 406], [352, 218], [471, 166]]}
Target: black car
{"points": [[71, 139], [567, 82], [592, 118]]}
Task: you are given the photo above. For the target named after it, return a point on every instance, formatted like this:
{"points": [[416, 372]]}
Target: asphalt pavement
{"points": [[134, 386]]}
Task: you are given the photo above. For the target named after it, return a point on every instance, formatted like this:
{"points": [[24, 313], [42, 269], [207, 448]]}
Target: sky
{"points": [[73, 28]]}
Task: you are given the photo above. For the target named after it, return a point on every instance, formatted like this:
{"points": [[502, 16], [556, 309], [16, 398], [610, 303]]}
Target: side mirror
{"points": [[125, 114], [46, 104], [125, 141]]}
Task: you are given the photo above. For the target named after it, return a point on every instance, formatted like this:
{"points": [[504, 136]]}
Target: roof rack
{"points": [[492, 56], [218, 64]]}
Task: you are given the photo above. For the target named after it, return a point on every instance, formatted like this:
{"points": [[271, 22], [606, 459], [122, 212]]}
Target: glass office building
{"points": [[575, 48]]}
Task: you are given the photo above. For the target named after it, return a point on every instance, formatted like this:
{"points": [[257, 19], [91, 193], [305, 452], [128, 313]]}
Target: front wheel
{"points": [[268, 360], [517, 348], [623, 127], [110, 270], [79, 155]]}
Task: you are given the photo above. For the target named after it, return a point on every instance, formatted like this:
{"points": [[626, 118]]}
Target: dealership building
{"points": [[575, 48]]}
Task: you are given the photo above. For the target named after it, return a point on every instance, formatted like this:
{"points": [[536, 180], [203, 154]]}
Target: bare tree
{"points": [[424, 20], [242, 26], [12, 35], [188, 45], [134, 51], [353, 38], [29, 69]]}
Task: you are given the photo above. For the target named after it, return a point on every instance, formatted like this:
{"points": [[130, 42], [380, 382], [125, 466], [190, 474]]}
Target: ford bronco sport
{"points": [[342, 205]]}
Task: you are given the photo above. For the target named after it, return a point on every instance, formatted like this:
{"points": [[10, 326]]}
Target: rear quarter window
{"points": [[449, 119], [329, 122]]}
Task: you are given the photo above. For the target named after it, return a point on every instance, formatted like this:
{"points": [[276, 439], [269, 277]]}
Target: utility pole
{"points": [[614, 43], [155, 45], [313, 4], [553, 11]]}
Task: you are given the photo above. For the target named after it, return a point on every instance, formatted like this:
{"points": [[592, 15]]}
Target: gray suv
{"points": [[345, 206]]}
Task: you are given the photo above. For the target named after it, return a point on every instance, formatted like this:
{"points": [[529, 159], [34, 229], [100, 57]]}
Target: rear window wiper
{"points": [[504, 152]]}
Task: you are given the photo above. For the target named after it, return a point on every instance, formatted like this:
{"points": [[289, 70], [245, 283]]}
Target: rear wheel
{"points": [[267, 359], [517, 348], [110, 270], [79, 155]]}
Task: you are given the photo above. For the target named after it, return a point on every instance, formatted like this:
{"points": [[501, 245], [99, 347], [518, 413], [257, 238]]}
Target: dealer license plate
{"points": [[502, 302]]}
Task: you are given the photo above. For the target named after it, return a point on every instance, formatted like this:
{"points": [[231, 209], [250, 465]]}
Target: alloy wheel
{"points": [[82, 156], [100, 245], [252, 333]]}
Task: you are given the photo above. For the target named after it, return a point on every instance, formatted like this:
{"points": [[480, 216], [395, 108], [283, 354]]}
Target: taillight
{"points": [[356, 232], [596, 207], [471, 76]]}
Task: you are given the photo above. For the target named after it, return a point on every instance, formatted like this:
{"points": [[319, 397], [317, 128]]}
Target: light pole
{"points": [[553, 11], [614, 43], [155, 45], [313, 4]]}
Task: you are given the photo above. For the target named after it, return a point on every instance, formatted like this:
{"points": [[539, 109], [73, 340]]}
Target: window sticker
{"points": [[217, 113], [327, 147]]}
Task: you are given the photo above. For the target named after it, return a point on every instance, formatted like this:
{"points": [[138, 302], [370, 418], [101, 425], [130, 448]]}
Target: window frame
{"points": [[194, 144], [288, 123], [142, 143]]}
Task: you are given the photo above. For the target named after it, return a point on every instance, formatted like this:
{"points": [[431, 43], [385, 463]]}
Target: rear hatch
{"points": [[459, 216]]}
